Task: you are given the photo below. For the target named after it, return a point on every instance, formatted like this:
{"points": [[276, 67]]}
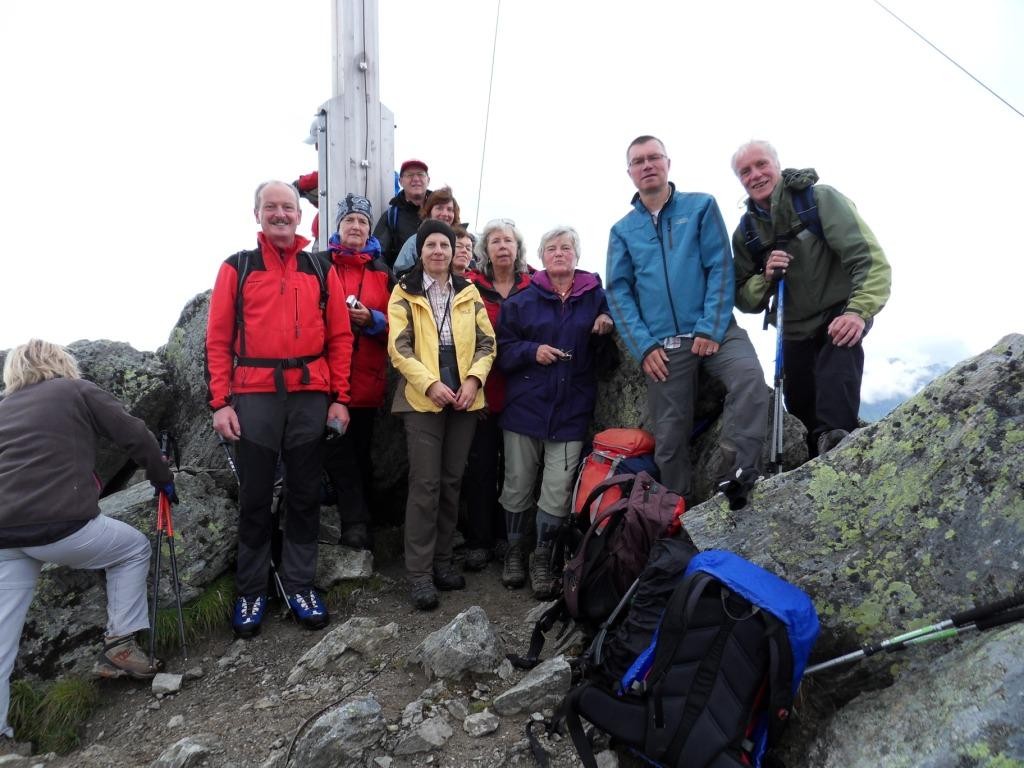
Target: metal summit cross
{"points": [[356, 132]]}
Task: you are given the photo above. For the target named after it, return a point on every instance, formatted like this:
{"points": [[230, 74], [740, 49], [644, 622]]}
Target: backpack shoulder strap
{"points": [[243, 266], [623, 481], [780, 676], [752, 241], [807, 210]]}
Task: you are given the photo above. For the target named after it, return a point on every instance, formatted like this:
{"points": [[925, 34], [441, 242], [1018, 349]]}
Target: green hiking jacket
{"points": [[845, 272]]}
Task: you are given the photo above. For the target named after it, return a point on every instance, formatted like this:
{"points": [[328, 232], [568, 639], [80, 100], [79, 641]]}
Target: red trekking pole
{"points": [[165, 525]]}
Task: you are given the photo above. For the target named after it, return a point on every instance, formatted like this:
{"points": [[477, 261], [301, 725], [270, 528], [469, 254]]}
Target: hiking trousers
{"points": [[822, 385], [524, 457], [485, 519], [101, 544], [744, 417], [291, 428], [348, 463], [438, 445]]}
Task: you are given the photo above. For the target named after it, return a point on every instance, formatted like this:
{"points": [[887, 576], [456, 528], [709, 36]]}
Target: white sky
{"points": [[134, 133]]}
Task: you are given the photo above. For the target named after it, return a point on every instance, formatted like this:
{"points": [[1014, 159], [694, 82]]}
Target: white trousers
{"points": [[102, 544]]}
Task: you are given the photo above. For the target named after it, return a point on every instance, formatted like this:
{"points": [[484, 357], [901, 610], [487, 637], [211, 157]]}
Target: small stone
{"points": [[176, 722], [164, 683], [607, 759], [481, 723], [153, 705], [457, 708], [392, 728], [537, 717], [194, 673], [383, 762]]}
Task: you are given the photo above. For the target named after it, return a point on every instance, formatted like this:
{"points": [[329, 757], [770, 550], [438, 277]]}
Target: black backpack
{"points": [[714, 686]]}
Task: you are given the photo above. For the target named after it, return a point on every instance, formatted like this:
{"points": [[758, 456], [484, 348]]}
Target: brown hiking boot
{"points": [[122, 656], [541, 581], [513, 575]]}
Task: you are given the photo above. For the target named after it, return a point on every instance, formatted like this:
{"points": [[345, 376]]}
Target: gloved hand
{"points": [[168, 490]]}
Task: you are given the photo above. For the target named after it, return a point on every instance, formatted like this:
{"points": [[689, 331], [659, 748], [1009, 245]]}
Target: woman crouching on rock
{"points": [[441, 342], [50, 419]]}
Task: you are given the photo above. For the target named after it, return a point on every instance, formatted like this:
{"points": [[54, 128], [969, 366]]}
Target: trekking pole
{"points": [[167, 444], [775, 453], [981, 618]]}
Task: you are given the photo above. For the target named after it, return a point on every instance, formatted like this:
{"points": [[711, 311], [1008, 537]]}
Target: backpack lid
{"points": [[789, 604]]}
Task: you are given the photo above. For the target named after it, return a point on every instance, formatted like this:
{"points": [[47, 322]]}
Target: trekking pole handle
{"points": [[983, 611], [229, 457], [997, 620]]}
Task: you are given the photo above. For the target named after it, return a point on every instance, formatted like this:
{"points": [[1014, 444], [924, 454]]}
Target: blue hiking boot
{"points": [[248, 615], [308, 609]]}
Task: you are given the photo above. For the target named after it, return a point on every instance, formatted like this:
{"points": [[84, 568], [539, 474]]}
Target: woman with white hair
{"points": [[545, 350], [50, 419]]}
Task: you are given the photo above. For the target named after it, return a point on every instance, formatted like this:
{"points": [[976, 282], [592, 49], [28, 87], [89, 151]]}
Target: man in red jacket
{"points": [[278, 354]]}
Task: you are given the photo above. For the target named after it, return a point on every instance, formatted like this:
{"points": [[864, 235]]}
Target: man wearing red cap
{"points": [[402, 217]]}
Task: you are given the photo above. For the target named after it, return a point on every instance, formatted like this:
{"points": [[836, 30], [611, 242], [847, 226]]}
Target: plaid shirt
{"points": [[440, 297]]}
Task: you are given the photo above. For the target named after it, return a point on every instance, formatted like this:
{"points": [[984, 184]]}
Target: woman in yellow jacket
{"points": [[442, 343]]}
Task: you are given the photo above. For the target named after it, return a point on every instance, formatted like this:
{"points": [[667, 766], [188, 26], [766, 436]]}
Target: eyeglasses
{"points": [[495, 223], [642, 160], [414, 175]]}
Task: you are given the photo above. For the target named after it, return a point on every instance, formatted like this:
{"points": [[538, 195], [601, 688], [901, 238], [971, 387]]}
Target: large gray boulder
{"points": [[467, 646], [137, 379], [965, 708], [909, 520]]}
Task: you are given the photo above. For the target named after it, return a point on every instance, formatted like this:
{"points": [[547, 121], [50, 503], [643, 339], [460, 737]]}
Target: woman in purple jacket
{"points": [[545, 349]]}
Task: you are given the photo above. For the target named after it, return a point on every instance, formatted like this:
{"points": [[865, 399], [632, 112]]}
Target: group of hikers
{"points": [[497, 364]]}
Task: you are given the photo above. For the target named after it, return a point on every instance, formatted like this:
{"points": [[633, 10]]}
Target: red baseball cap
{"points": [[413, 164]]}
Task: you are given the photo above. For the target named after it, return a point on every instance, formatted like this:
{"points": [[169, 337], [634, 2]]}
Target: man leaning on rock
{"points": [[277, 365], [836, 279], [670, 290]]}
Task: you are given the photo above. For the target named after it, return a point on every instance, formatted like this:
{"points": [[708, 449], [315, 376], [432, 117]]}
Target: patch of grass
{"points": [[211, 609], [25, 700], [339, 595], [50, 716]]}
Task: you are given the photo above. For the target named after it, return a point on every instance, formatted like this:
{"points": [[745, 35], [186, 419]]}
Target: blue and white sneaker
{"points": [[248, 615], [308, 609]]}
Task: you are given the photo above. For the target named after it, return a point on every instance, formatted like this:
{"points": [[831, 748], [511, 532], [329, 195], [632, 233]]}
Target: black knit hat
{"points": [[354, 204], [428, 228]]}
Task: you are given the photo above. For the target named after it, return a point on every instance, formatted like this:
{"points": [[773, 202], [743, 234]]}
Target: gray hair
{"points": [[37, 361], [569, 232], [484, 261], [754, 144], [265, 184]]}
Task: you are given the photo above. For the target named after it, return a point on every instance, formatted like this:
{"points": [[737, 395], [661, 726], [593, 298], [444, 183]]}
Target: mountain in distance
{"points": [[879, 409]]}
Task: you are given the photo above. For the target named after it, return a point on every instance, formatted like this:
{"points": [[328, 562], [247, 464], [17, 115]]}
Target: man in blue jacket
{"points": [[670, 290]]}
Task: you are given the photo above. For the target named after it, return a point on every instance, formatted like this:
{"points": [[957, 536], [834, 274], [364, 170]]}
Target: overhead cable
{"points": [[949, 58]]}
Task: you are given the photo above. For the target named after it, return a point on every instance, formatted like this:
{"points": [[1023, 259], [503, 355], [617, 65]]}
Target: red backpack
{"points": [[611, 448]]}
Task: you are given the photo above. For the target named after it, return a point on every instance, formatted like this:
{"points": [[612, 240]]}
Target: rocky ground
{"points": [[236, 691]]}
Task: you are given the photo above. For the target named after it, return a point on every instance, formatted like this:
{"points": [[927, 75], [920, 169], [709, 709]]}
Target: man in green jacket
{"points": [[835, 283]]}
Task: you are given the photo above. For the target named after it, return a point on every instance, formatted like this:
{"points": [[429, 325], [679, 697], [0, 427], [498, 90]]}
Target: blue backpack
{"points": [[714, 687], [806, 209]]}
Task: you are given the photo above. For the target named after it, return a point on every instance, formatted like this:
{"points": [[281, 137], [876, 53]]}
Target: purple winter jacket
{"points": [[550, 402]]}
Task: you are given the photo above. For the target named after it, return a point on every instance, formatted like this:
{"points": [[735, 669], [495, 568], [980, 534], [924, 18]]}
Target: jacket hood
{"points": [[799, 178], [582, 282], [368, 252]]}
